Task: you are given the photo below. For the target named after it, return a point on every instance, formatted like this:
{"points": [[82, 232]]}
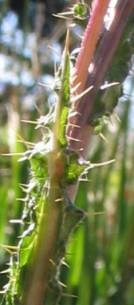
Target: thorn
{"points": [[103, 137], [63, 15], [22, 140], [44, 85], [60, 17], [95, 213], [73, 89], [3, 291], [65, 264], [74, 113], [23, 184], [69, 295], [24, 190], [79, 96], [21, 199], [16, 221], [62, 284], [38, 110], [29, 122], [59, 200], [73, 139], [74, 77], [70, 12], [12, 154], [73, 125], [5, 271], [9, 249], [102, 163], [28, 144], [52, 262], [109, 85]]}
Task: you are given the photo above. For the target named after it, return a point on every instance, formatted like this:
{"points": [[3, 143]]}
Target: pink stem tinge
{"points": [[89, 41], [102, 62]]}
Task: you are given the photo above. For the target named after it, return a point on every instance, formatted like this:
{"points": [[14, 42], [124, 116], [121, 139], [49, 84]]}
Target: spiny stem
{"points": [[48, 233], [89, 42], [110, 42], [84, 59], [38, 280], [102, 62]]}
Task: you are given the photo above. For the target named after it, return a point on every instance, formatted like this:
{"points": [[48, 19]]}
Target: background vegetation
{"points": [[99, 267]]}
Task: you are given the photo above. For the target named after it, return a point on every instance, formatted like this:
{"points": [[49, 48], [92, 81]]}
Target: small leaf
{"points": [[74, 169], [26, 249]]}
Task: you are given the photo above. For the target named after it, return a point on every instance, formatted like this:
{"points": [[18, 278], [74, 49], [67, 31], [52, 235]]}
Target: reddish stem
{"points": [[89, 42], [102, 62]]}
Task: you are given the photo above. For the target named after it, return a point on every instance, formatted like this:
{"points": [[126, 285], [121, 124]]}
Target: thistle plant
{"points": [[58, 161]]}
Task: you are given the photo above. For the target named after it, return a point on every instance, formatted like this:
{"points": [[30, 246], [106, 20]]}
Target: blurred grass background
{"points": [[100, 255]]}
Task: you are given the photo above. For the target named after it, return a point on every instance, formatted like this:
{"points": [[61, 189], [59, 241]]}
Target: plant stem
{"points": [[38, 279], [89, 42], [102, 62]]}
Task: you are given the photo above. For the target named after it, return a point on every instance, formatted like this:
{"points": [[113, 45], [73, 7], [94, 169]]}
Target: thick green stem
{"points": [[59, 216]]}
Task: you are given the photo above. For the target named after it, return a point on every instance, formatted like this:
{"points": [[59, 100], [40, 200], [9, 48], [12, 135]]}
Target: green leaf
{"points": [[80, 10], [73, 170], [26, 249], [66, 80], [64, 96], [62, 130]]}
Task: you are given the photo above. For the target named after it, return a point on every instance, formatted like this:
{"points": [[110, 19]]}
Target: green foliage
{"points": [[100, 253], [80, 10], [64, 97], [43, 190], [73, 169], [31, 217], [63, 122]]}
